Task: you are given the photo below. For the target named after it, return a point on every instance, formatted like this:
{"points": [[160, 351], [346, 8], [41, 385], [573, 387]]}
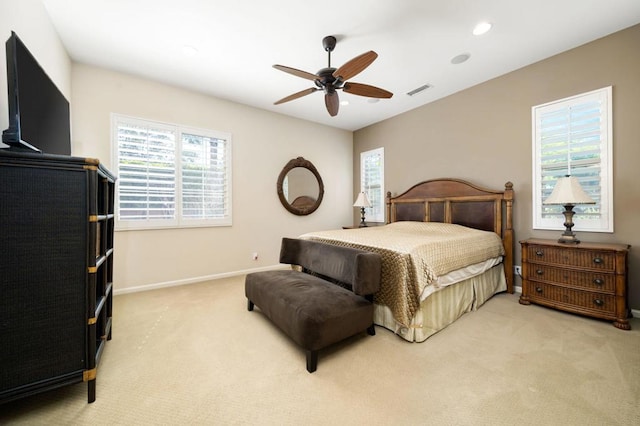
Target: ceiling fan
{"points": [[331, 79]]}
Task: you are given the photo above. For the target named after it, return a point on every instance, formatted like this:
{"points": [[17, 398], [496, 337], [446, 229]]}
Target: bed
{"points": [[429, 282]]}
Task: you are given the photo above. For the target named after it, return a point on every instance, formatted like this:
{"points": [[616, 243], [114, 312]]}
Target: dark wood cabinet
{"points": [[585, 278], [56, 271]]}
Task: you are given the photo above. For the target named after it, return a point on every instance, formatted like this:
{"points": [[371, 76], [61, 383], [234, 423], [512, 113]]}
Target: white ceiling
{"points": [[238, 41]]}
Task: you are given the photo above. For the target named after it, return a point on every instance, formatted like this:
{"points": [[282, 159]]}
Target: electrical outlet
{"points": [[518, 270], [254, 256]]}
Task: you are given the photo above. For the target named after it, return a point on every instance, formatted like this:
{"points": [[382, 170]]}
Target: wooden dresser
{"points": [[585, 278]]}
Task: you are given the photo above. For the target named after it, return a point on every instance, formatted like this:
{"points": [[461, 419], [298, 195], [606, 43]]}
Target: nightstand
{"points": [[585, 278], [369, 225]]}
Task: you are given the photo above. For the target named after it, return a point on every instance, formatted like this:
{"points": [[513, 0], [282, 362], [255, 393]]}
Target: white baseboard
{"points": [[195, 280], [517, 289]]}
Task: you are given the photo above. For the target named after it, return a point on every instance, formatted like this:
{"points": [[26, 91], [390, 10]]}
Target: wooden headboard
{"points": [[456, 201]]}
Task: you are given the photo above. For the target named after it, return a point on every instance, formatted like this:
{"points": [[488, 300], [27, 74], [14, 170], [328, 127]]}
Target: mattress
{"points": [[459, 275]]}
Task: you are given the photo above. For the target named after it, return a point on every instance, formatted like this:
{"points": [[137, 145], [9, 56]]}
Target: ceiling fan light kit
{"points": [[331, 79]]}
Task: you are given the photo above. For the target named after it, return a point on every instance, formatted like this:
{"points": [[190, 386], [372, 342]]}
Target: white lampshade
{"points": [[568, 191], [362, 201]]}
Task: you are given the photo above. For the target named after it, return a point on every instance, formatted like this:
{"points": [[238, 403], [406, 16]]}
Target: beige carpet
{"points": [[195, 355]]}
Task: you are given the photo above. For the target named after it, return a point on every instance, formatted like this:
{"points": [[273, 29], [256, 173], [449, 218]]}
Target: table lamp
{"points": [[568, 193], [362, 201]]}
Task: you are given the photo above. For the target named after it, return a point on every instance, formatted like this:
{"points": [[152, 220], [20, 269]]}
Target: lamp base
{"points": [[363, 224], [568, 236], [568, 239]]}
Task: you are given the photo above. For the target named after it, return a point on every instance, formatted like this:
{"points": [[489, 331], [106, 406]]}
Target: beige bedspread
{"points": [[414, 254]]}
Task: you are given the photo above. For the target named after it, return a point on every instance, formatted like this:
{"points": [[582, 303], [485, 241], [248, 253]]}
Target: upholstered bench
{"points": [[329, 300]]}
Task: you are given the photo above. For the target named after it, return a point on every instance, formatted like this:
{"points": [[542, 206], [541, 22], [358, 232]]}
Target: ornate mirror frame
{"points": [[292, 164]]}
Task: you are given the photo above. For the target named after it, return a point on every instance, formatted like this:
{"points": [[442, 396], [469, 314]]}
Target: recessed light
{"points": [[482, 28], [344, 103], [189, 51], [460, 58]]}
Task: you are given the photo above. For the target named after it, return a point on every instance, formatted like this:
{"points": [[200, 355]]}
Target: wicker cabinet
{"points": [[56, 271], [586, 278]]}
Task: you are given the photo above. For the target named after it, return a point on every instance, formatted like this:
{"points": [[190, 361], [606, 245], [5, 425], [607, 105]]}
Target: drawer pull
{"points": [[539, 253], [539, 289], [598, 281], [597, 260], [598, 302], [539, 271]]}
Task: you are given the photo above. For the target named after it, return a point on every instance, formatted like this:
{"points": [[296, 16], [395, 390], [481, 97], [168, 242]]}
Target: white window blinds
{"points": [[372, 183], [573, 137], [170, 176], [146, 172], [204, 177]]}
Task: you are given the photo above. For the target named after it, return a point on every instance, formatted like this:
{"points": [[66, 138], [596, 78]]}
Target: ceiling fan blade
{"points": [[366, 90], [297, 73], [296, 95], [332, 102], [355, 66]]}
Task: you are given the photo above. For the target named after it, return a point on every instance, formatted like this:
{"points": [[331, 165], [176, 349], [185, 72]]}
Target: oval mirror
{"points": [[300, 187]]}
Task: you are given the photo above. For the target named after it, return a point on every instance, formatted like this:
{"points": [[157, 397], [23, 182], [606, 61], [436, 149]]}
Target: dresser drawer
{"points": [[601, 282], [600, 260], [573, 300]]}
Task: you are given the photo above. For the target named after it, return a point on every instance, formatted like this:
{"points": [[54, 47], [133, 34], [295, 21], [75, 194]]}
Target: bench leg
{"points": [[312, 361], [249, 305], [371, 330]]}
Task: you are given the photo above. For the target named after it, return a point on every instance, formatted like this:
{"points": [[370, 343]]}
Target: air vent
{"points": [[419, 89]]}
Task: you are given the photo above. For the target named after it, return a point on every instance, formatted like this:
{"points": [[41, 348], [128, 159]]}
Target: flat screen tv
{"points": [[38, 112]]}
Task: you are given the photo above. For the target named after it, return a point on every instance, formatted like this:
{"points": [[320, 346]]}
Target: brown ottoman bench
{"points": [[329, 300]]}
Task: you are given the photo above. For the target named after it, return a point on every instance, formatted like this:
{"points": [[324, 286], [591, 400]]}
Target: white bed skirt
{"points": [[444, 306]]}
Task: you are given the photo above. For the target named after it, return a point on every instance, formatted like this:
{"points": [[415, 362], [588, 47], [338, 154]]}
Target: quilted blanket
{"points": [[414, 254]]}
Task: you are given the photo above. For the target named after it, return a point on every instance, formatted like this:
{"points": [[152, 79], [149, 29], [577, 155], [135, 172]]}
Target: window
{"points": [[372, 183], [573, 136], [170, 176]]}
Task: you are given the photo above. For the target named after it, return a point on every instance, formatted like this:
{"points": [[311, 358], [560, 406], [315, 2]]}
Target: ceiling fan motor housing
{"points": [[326, 78]]}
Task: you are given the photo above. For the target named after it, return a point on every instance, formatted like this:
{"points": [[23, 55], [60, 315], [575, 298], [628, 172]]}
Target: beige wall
{"points": [[483, 134], [263, 143], [29, 19]]}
